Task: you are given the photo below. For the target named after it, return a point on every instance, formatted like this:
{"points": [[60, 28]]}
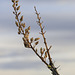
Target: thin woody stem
{"points": [[42, 33], [38, 55], [52, 68]]}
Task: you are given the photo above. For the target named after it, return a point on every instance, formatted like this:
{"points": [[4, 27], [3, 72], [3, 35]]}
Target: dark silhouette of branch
{"points": [[33, 42]]}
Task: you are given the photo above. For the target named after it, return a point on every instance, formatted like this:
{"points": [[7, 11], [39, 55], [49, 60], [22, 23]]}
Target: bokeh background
{"points": [[59, 21]]}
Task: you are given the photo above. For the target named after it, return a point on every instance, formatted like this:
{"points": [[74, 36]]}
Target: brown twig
{"points": [[42, 33], [53, 69], [28, 42]]}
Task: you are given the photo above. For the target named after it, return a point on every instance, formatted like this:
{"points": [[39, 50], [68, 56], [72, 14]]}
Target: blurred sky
{"points": [[59, 21]]}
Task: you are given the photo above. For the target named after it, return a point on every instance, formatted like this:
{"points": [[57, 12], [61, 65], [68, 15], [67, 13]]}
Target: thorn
{"points": [[58, 67]]}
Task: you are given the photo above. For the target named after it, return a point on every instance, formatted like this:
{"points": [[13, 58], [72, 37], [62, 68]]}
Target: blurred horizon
{"points": [[58, 17]]}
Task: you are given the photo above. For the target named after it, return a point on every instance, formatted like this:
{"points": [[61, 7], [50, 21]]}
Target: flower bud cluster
{"points": [[43, 53], [19, 23], [21, 26]]}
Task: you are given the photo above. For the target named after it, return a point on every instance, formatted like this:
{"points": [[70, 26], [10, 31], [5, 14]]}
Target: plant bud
{"points": [[16, 18], [24, 25], [29, 28], [41, 50], [22, 29], [14, 8], [19, 13], [13, 1], [16, 24], [36, 42], [13, 5], [31, 39], [19, 32], [13, 12], [19, 29], [46, 54], [17, 4], [36, 39], [26, 30], [21, 24], [45, 58], [18, 7], [17, 1], [21, 19], [27, 45], [26, 36]]}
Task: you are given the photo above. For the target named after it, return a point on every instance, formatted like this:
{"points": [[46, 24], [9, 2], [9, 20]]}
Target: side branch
{"points": [[51, 65], [42, 33]]}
